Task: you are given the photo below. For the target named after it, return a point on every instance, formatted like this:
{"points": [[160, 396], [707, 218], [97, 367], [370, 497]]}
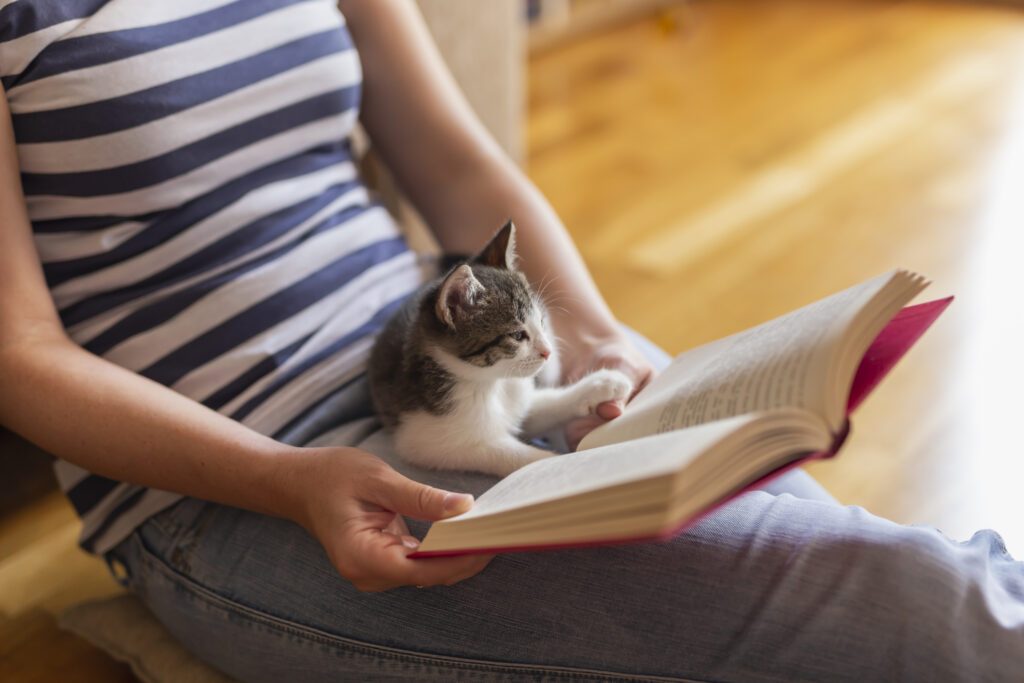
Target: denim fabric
{"points": [[768, 588]]}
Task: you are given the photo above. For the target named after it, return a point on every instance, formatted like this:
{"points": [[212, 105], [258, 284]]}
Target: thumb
{"points": [[407, 497]]}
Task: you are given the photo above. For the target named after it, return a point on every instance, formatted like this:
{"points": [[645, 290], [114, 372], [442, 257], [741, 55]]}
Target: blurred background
{"points": [[719, 163], [722, 162]]}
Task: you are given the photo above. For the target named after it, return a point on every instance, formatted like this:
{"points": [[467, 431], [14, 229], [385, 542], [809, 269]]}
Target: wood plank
{"points": [[770, 153]]}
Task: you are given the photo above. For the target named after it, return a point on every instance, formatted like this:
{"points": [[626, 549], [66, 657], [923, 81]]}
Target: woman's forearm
{"points": [[118, 424]]}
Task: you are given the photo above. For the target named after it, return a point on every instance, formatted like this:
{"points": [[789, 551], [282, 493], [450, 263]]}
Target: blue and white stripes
{"points": [[196, 207]]}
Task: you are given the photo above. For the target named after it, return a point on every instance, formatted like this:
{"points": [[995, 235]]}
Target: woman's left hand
{"points": [[615, 351]]}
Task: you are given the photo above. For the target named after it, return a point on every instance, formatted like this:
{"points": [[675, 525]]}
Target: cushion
{"points": [[122, 627]]}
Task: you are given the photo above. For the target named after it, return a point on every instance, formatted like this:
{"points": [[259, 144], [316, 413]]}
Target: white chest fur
{"points": [[499, 407]]}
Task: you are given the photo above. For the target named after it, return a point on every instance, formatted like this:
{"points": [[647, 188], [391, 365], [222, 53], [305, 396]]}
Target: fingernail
{"points": [[457, 502], [410, 542]]}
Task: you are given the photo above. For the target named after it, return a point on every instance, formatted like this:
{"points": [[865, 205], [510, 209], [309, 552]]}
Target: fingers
{"points": [[645, 378], [576, 429], [639, 374], [609, 410], [400, 494], [622, 357], [397, 527], [383, 564], [446, 571]]}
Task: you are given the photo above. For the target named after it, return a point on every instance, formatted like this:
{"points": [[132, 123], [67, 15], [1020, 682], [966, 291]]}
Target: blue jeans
{"points": [[771, 587]]}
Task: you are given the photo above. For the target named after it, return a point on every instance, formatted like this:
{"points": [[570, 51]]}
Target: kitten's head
{"points": [[486, 320]]}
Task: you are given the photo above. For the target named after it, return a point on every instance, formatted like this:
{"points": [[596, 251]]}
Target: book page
{"points": [[781, 363], [574, 473]]}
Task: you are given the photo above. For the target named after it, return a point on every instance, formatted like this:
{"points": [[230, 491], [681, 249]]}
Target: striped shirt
{"points": [[189, 177]]}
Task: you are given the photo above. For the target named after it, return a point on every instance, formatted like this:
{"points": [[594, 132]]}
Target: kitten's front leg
{"points": [[553, 407], [439, 442]]}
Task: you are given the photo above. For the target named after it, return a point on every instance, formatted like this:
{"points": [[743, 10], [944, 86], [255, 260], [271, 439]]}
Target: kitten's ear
{"points": [[500, 252], [458, 295]]}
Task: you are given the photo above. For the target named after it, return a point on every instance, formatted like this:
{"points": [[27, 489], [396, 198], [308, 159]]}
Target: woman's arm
{"points": [[118, 424], [466, 187]]}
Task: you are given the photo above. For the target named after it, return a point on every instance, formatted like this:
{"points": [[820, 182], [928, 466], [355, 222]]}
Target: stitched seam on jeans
{"points": [[164, 522], [213, 600]]}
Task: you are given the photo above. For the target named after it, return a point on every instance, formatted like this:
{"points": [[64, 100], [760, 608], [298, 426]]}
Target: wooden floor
{"points": [[732, 162], [722, 165]]}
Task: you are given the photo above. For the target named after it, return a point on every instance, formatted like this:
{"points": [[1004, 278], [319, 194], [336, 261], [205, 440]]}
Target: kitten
{"points": [[453, 371]]}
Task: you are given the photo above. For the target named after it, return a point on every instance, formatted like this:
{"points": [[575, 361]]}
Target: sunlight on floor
{"points": [[994, 367]]}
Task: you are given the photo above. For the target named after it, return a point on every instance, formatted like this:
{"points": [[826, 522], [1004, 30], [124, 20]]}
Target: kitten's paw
{"points": [[601, 386]]}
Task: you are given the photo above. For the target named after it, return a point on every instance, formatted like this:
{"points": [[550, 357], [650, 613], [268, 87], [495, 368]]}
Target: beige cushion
{"points": [[483, 45], [123, 628]]}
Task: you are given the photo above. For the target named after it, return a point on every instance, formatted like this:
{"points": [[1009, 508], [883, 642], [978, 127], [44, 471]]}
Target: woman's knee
{"points": [[835, 584]]}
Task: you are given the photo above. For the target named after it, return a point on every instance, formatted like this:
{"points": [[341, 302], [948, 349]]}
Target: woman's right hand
{"points": [[353, 504]]}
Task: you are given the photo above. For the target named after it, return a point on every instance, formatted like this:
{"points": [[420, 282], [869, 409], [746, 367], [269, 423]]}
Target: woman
{"points": [[190, 277]]}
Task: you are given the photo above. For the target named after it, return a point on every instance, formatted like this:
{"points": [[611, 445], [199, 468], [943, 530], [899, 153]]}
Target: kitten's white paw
{"points": [[601, 386]]}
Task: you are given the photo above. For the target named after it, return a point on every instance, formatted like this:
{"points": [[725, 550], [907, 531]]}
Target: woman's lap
{"points": [[767, 588]]}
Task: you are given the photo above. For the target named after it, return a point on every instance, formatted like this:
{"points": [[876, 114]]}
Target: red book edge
{"points": [[891, 344]]}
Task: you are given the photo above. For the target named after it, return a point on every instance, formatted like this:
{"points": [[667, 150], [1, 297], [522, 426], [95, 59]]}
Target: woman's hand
{"points": [[353, 504], [582, 354]]}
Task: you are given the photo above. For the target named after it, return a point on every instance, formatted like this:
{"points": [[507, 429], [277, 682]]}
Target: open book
{"points": [[719, 420]]}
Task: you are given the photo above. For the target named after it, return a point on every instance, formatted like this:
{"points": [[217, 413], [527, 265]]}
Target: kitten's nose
{"points": [[544, 353]]}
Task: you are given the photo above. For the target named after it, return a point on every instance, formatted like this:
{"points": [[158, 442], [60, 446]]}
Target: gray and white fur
{"points": [[453, 373]]}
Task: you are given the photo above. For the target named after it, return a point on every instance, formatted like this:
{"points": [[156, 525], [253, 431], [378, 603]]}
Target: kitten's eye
{"points": [[519, 335]]}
